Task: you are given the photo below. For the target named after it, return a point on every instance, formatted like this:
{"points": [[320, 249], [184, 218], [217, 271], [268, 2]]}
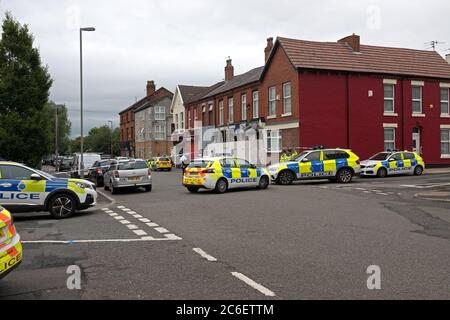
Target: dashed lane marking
{"points": [[140, 232], [254, 284], [162, 230], [204, 255], [71, 242]]}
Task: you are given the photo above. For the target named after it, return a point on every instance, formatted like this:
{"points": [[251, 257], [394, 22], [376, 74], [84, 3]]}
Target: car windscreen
{"points": [[199, 164], [132, 165], [89, 160], [381, 156], [301, 155], [67, 161]]}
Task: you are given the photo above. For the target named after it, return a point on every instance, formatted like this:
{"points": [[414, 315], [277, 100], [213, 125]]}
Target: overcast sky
{"points": [[187, 41]]}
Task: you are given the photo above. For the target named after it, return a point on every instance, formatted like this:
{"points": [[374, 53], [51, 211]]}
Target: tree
{"points": [[25, 130], [64, 127], [98, 140]]}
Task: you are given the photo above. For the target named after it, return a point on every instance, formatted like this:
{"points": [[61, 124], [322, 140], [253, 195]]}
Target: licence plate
{"points": [[134, 178]]}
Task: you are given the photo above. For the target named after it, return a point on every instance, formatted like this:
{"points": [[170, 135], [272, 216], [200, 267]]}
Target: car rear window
{"points": [[199, 164], [164, 159], [132, 165]]}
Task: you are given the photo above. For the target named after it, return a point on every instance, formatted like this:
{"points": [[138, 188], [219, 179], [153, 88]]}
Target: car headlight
{"points": [[273, 169], [371, 166], [84, 185]]}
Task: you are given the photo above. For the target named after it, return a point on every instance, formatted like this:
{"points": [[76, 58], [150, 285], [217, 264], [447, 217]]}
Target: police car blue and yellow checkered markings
{"points": [[392, 163], [337, 164], [223, 173]]}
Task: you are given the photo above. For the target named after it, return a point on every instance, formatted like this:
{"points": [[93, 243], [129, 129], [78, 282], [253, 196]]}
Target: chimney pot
{"points": [[268, 48], [229, 70], [151, 88], [353, 41]]}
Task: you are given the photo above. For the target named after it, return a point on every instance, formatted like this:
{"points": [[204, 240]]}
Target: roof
{"points": [[144, 102], [370, 59], [237, 81], [191, 93]]}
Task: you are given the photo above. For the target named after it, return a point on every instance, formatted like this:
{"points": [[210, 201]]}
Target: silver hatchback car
{"points": [[128, 174]]}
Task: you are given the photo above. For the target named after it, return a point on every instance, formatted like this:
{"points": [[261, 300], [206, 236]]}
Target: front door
{"points": [[417, 147]]}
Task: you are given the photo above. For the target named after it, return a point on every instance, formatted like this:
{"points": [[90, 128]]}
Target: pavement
{"points": [[311, 240]]}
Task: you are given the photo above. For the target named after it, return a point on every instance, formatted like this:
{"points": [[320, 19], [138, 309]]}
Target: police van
{"points": [[333, 164], [23, 187], [223, 173]]}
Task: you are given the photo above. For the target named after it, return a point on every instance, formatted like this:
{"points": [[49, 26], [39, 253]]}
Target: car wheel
{"points": [[344, 176], [263, 183], [382, 173], [418, 171], [148, 188], [193, 189], [285, 178], [221, 186], [62, 206]]}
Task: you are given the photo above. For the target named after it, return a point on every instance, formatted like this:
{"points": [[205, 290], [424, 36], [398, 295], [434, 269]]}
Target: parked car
{"points": [[46, 161], [96, 173], [88, 160], [393, 163], [162, 163], [128, 174], [65, 164]]}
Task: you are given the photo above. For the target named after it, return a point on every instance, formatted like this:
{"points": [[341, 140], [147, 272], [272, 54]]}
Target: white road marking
{"points": [[145, 220], [121, 207], [126, 210], [98, 241], [119, 218], [124, 222], [105, 209], [140, 232], [383, 194], [425, 186], [362, 189], [132, 227], [162, 230], [171, 236], [152, 225], [113, 214], [253, 284], [132, 212], [205, 255], [137, 216]]}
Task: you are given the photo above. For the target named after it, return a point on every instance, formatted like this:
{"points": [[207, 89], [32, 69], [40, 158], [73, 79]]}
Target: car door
{"points": [[249, 175], [17, 188], [396, 164], [330, 162], [410, 162], [231, 172], [311, 166]]}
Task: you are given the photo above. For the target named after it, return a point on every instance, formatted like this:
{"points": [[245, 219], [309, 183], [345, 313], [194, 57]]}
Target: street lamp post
{"points": [[111, 137], [89, 29]]}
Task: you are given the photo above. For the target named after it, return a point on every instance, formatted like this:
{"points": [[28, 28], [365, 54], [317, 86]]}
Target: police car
{"points": [[221, 174], [393, 163], [333, 164], [10, 245], [24, 187]]}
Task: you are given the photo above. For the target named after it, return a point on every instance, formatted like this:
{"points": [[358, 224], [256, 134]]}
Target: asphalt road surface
{"points": [[311, 240]]}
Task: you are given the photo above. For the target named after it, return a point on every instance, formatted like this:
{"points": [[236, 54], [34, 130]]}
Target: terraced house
{"points": [[338, 94]]}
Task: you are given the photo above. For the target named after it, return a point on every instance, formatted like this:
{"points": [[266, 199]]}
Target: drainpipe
{"points": [[348, 109], [403, 116]]}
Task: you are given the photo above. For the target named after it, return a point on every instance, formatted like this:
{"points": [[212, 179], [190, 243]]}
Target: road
{"points": [[311, 240]]}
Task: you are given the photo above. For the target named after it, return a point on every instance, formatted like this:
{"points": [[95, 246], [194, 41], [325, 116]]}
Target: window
{"points": [[176, 121], [287, 106], [210, 115], [221, 112], [314, 156], [255, 104], [397, 157], [228, 163], [182, 120], [160, 113], [274, 141], [243, 164], [244, 107], [445, 142], [203, 112], [389, 139], [389, 97], [272, 101], [409, 156], [417, 99], [230, 110], [160, 132], [190, 118], [15, 173], [445, 110], [195, 114]]}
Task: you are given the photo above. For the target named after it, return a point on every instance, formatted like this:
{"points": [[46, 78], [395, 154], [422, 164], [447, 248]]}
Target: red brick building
{"points": [[339, 94]]}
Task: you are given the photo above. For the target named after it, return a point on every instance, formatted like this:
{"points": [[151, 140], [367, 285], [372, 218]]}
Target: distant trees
{"points": [[64, 127], [99, 140], [25, 126]]}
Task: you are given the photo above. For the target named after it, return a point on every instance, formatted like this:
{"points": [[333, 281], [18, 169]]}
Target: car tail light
{"points": [[99, 170], [208, 171], [116, 174]]}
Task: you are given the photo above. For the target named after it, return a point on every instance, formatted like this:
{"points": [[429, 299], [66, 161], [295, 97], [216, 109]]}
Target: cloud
{"points": [[179, 41]]}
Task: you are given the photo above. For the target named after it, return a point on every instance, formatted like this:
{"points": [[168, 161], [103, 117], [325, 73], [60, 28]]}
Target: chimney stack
{"points": [[150, 88], [447, 57], [268, 49], [353, 42], [229, 70]]}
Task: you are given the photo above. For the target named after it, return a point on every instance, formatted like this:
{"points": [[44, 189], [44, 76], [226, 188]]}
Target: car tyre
{"points": [[62, 206], [111, 187], [105, 187], [221, 186], [193, 189], [148, 188], [344, 175], [285, 178], [263, 183], [418, 171], [382, 173]]}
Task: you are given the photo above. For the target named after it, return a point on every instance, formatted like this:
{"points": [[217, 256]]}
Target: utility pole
{"points": [[56, 132], [111, 137]]}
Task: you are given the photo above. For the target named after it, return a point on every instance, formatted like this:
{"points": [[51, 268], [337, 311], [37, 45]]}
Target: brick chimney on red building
{"points": [[150, 88], [229, 70], [268, 49], [353, 42]]}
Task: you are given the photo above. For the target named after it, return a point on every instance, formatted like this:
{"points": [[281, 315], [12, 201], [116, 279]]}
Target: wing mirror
{"points": [[35, 177], [305, 160], [391, 160]]}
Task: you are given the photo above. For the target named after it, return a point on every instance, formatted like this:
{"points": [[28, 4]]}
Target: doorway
{"points": [[417, 146]]}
